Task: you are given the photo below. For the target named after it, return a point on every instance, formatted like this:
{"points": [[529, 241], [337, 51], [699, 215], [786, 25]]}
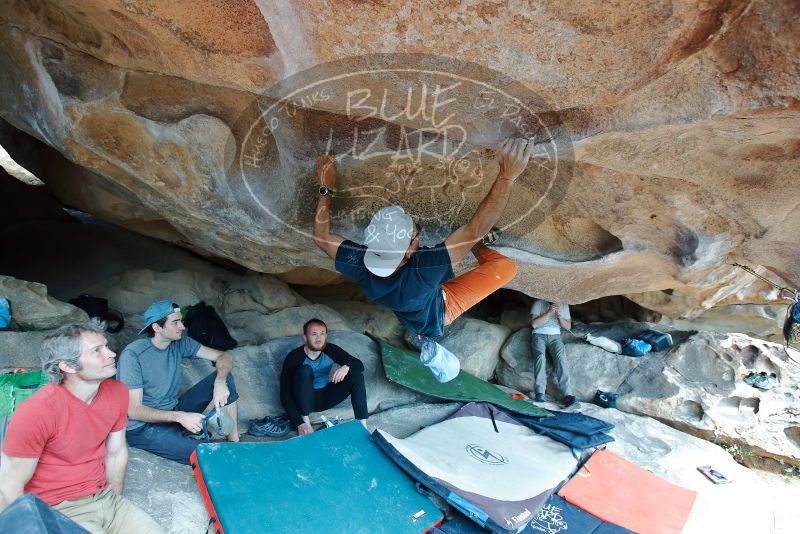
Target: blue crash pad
{"points": [[334, 480]]}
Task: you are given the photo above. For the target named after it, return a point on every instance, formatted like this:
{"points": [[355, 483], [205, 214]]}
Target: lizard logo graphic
{"points": [[484, 455]]}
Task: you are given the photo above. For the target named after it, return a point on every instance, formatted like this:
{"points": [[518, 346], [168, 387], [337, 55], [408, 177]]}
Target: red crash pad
{"points": [[617, 491]]}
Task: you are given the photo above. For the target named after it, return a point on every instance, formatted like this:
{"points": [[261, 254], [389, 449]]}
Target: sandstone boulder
{"points": [[33, 309], [257, 372], [683, 122], [763, 321], [24, 349], [515, 318], [475, 343], [21, 349], [698, 387], [261, 293], [253, 328], [369, 317], [590, 368], [135, 290], [746, 305]]}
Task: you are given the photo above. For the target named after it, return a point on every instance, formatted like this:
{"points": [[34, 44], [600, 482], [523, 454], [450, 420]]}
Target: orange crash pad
{"points": [[617, 491]]}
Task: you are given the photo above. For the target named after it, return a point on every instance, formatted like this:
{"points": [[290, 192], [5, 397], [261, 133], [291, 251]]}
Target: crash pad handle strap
{"points": [[588, 471], [467, 508], [422, 490]]}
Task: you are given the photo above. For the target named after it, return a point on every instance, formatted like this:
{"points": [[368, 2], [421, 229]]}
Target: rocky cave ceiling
{"points": [[674, 126]]}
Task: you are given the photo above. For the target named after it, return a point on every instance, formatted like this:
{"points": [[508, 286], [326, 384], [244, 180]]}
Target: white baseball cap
{"points": [[387, 238]]}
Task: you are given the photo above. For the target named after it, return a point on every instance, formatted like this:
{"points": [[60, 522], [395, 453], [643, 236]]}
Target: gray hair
{"points": [[64, 345]]}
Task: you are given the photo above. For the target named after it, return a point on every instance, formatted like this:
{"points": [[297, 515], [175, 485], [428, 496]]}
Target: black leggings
{"points": [[310, 400]]}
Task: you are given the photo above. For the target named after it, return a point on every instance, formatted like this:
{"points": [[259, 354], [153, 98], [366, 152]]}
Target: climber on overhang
{"points": [[417, 283]]}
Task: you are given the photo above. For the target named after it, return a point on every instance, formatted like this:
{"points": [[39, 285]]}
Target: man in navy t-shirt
{"points": [[415, 282], [307, 384]]}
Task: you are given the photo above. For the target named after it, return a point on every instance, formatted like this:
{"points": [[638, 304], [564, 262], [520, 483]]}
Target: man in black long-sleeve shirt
{"points": [[306, 382]]}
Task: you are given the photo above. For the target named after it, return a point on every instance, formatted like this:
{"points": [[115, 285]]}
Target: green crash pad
{"points": [[403, 367], [16, 387], [334, 480]]}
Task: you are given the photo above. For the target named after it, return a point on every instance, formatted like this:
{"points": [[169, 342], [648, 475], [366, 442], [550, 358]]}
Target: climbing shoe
{"points": [[273, 427], [770, 382], [569, 400], [492, 237], [538, 398], [750, 379], [761, 380]]}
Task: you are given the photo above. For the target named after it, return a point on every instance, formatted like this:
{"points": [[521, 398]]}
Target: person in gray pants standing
{"points": [[547, 320]]}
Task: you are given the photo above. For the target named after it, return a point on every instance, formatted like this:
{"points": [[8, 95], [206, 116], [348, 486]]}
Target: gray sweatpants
{"points": [[540, 344]]}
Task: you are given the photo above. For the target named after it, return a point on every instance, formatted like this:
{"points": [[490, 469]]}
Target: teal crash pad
{"points": [[334, 480], [403, 367]]}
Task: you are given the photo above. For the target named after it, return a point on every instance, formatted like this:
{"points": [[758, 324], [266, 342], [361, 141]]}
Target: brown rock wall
{"points": [[684, 120]]}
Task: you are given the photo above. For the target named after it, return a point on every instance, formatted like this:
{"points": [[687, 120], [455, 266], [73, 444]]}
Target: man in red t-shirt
{"points": [[66, 443]]}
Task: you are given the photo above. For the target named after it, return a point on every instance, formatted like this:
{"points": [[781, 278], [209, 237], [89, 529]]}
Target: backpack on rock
{"points": [[207, 328]]}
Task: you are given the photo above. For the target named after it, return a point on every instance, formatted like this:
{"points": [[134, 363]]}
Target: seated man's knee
{"points": [[352, 380], [355, 375]]}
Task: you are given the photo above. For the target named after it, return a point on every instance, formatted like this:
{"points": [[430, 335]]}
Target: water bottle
{"points": [[328, 422]]}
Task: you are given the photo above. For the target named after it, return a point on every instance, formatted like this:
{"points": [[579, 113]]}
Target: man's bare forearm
{"points": [[14, 474], [491, 208], [8, 494], [152, 415], [115, 469], [224, 366], [323, 238], [540, 320], [322, 220]]}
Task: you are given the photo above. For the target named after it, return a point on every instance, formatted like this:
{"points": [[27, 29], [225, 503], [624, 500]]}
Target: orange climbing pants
{"points": [[463, 292]]}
